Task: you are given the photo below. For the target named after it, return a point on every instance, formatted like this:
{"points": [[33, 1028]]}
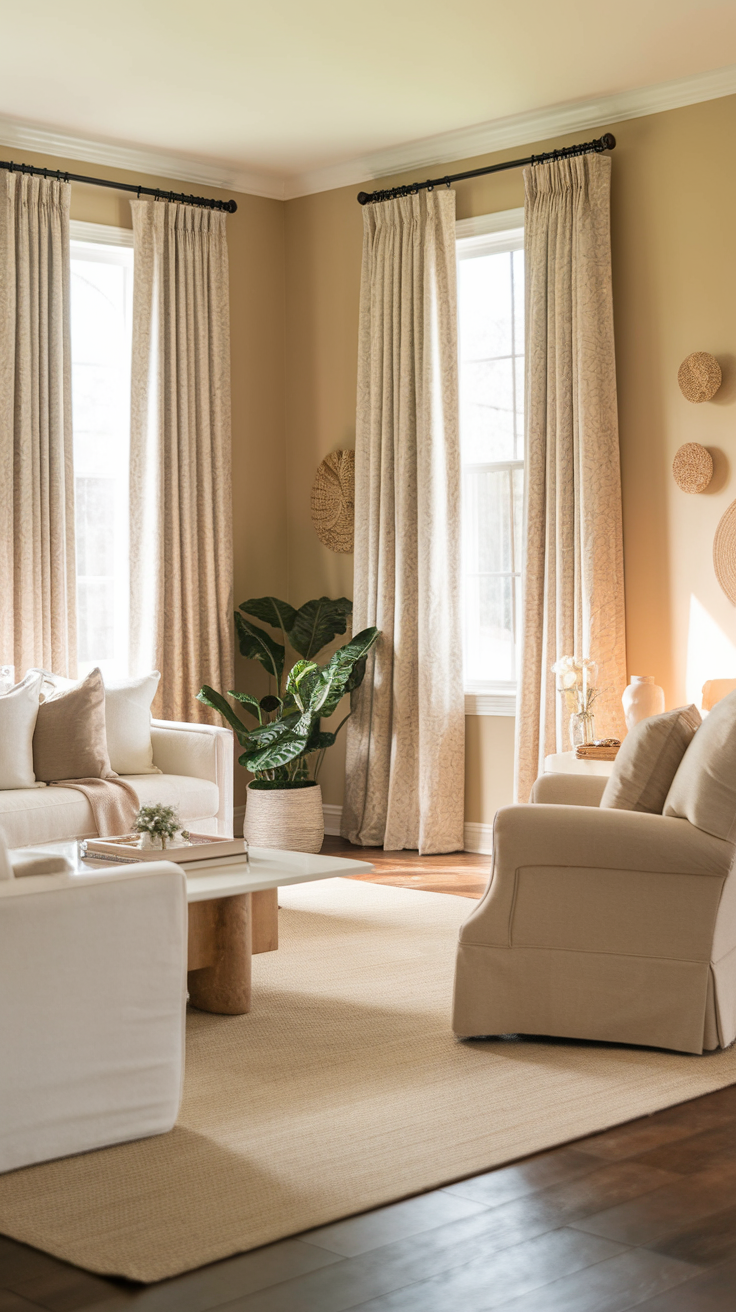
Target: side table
{"points": [[566, 763]]}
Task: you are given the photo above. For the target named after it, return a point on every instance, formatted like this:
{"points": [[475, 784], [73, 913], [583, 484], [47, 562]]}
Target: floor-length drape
{"points": [[405, 751], [181, 557], [38, 624], [574, 578]]}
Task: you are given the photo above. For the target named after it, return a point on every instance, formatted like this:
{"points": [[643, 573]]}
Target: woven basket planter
{"points": [[289, 818]]}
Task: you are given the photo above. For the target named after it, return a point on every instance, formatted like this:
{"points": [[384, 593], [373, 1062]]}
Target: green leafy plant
{"points": [[288, 729], [160, 821]]}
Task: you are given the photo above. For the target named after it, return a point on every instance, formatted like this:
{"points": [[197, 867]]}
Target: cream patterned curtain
{"points": [[574, 573], [37, 562], [405, 751], [181, 555]]}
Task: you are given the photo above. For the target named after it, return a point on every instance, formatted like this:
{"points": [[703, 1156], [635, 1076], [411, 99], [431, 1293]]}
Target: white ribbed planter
{"points": [[289, 818]]}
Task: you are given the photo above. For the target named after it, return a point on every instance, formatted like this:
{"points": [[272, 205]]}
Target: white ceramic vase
{"points": [[642, 698], [289, 818]]}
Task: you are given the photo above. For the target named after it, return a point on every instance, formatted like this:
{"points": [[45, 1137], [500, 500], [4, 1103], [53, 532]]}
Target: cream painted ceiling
{"points": [[284, 86]]}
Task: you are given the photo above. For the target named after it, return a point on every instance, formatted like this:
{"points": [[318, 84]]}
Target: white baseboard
{"points": [[478, 838], [333, 818]]}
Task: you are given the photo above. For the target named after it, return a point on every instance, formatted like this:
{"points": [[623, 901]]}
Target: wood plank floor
{"points": [[641, 1216]]}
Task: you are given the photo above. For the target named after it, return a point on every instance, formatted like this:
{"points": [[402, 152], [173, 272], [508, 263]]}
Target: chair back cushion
{"points": [[648, 761], [69, 740], [704, 789]]}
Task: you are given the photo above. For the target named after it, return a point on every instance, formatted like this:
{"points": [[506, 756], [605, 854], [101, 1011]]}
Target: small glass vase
{"points": [[582, 729]]}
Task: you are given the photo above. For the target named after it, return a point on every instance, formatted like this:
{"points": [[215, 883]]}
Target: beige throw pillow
{"points": [[648, 760], [704, 788], [69, 740]]}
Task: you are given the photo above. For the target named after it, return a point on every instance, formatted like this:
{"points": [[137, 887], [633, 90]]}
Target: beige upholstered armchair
{"points": [[607, 924]]}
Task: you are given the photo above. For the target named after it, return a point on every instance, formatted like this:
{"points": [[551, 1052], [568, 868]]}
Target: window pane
{"points": [[491, 336], [101, 293], [489, 634]]}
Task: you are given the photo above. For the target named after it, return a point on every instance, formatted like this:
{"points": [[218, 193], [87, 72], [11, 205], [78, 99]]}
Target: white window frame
{"points": [[503, 231]]}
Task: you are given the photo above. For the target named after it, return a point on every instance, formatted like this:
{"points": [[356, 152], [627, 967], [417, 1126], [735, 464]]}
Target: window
{"points": [[491, 344], [101, 314]]}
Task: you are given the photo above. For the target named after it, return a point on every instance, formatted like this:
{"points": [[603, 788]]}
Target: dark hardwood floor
{"points": [[641, 1216]]}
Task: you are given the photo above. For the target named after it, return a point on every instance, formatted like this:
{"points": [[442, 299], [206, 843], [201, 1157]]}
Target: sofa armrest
{"points": [[201, 751], [569, 789]]}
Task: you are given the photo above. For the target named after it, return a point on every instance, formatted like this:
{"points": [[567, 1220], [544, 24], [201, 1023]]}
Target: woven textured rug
{"points": [[344, 1089]]}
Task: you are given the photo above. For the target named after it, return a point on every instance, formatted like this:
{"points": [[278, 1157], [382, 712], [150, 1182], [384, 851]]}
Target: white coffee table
{"points": [[233, 912]]}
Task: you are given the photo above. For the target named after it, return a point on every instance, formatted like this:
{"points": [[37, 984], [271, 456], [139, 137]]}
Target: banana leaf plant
{"points": [[288, 729]]}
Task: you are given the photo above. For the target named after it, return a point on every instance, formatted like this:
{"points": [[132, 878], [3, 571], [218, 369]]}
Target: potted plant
{"points": [[285, 749]]}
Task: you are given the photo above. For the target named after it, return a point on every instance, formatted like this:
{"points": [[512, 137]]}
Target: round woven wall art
{"points": [[724, 552], [692, 467], [699, 377], [333, 501]]}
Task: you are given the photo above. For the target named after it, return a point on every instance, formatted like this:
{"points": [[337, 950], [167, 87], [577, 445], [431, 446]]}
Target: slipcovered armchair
{"points": [[604, 924], [92, 1005]]}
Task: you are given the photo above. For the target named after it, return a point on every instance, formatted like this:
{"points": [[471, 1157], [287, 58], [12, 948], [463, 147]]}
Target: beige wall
{"points": [[674, 259], [295, 274]]}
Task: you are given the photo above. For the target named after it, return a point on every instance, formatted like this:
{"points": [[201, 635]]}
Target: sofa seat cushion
{"points": [[45, 815], [195, 799]]}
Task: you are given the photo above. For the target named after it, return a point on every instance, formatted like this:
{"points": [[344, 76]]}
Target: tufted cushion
{"points": [[648, 761]]}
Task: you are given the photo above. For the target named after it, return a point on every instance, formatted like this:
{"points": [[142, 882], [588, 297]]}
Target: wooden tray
{"points": [[203, 847]]}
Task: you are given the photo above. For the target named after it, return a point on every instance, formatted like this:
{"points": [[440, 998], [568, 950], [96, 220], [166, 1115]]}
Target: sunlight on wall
{"points": [[710, 654]]}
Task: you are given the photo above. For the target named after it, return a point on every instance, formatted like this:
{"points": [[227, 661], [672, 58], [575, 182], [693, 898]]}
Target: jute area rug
{"points": [[342, 1090]]}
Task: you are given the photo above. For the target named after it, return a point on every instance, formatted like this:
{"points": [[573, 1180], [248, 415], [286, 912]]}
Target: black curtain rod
{"points": [[229, 206], [606, 142]]}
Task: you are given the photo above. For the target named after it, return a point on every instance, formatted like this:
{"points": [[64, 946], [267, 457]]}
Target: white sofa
{"points": [[196, 761], [92, 1009]]}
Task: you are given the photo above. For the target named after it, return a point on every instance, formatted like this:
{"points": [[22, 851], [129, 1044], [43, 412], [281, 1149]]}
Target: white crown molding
{"points": [[518, 130], [464, 143], [19, 135]]}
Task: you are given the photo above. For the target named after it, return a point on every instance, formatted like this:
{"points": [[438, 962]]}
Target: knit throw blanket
{"points": [[113, 801]]}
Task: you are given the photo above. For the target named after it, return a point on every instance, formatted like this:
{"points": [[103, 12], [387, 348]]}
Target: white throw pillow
{"points": [[128, 718], [18, 712]]}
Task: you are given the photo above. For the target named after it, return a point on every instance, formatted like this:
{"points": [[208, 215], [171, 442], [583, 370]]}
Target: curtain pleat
{"points": [[405, 750], [37, 556], [180, 490], [573, 574]]}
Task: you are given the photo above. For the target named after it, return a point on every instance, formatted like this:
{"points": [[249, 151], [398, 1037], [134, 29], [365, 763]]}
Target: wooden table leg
{"points": [[220, 933], [265, 920]]}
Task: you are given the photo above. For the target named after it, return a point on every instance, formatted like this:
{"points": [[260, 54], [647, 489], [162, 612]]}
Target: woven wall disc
{"points": [[333, 501], [699, 377], [724, 552], [692, 467]]}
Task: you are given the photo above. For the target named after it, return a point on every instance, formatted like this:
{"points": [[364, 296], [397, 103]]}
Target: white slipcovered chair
{"points": [[92, 1005], [607, 923]]}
